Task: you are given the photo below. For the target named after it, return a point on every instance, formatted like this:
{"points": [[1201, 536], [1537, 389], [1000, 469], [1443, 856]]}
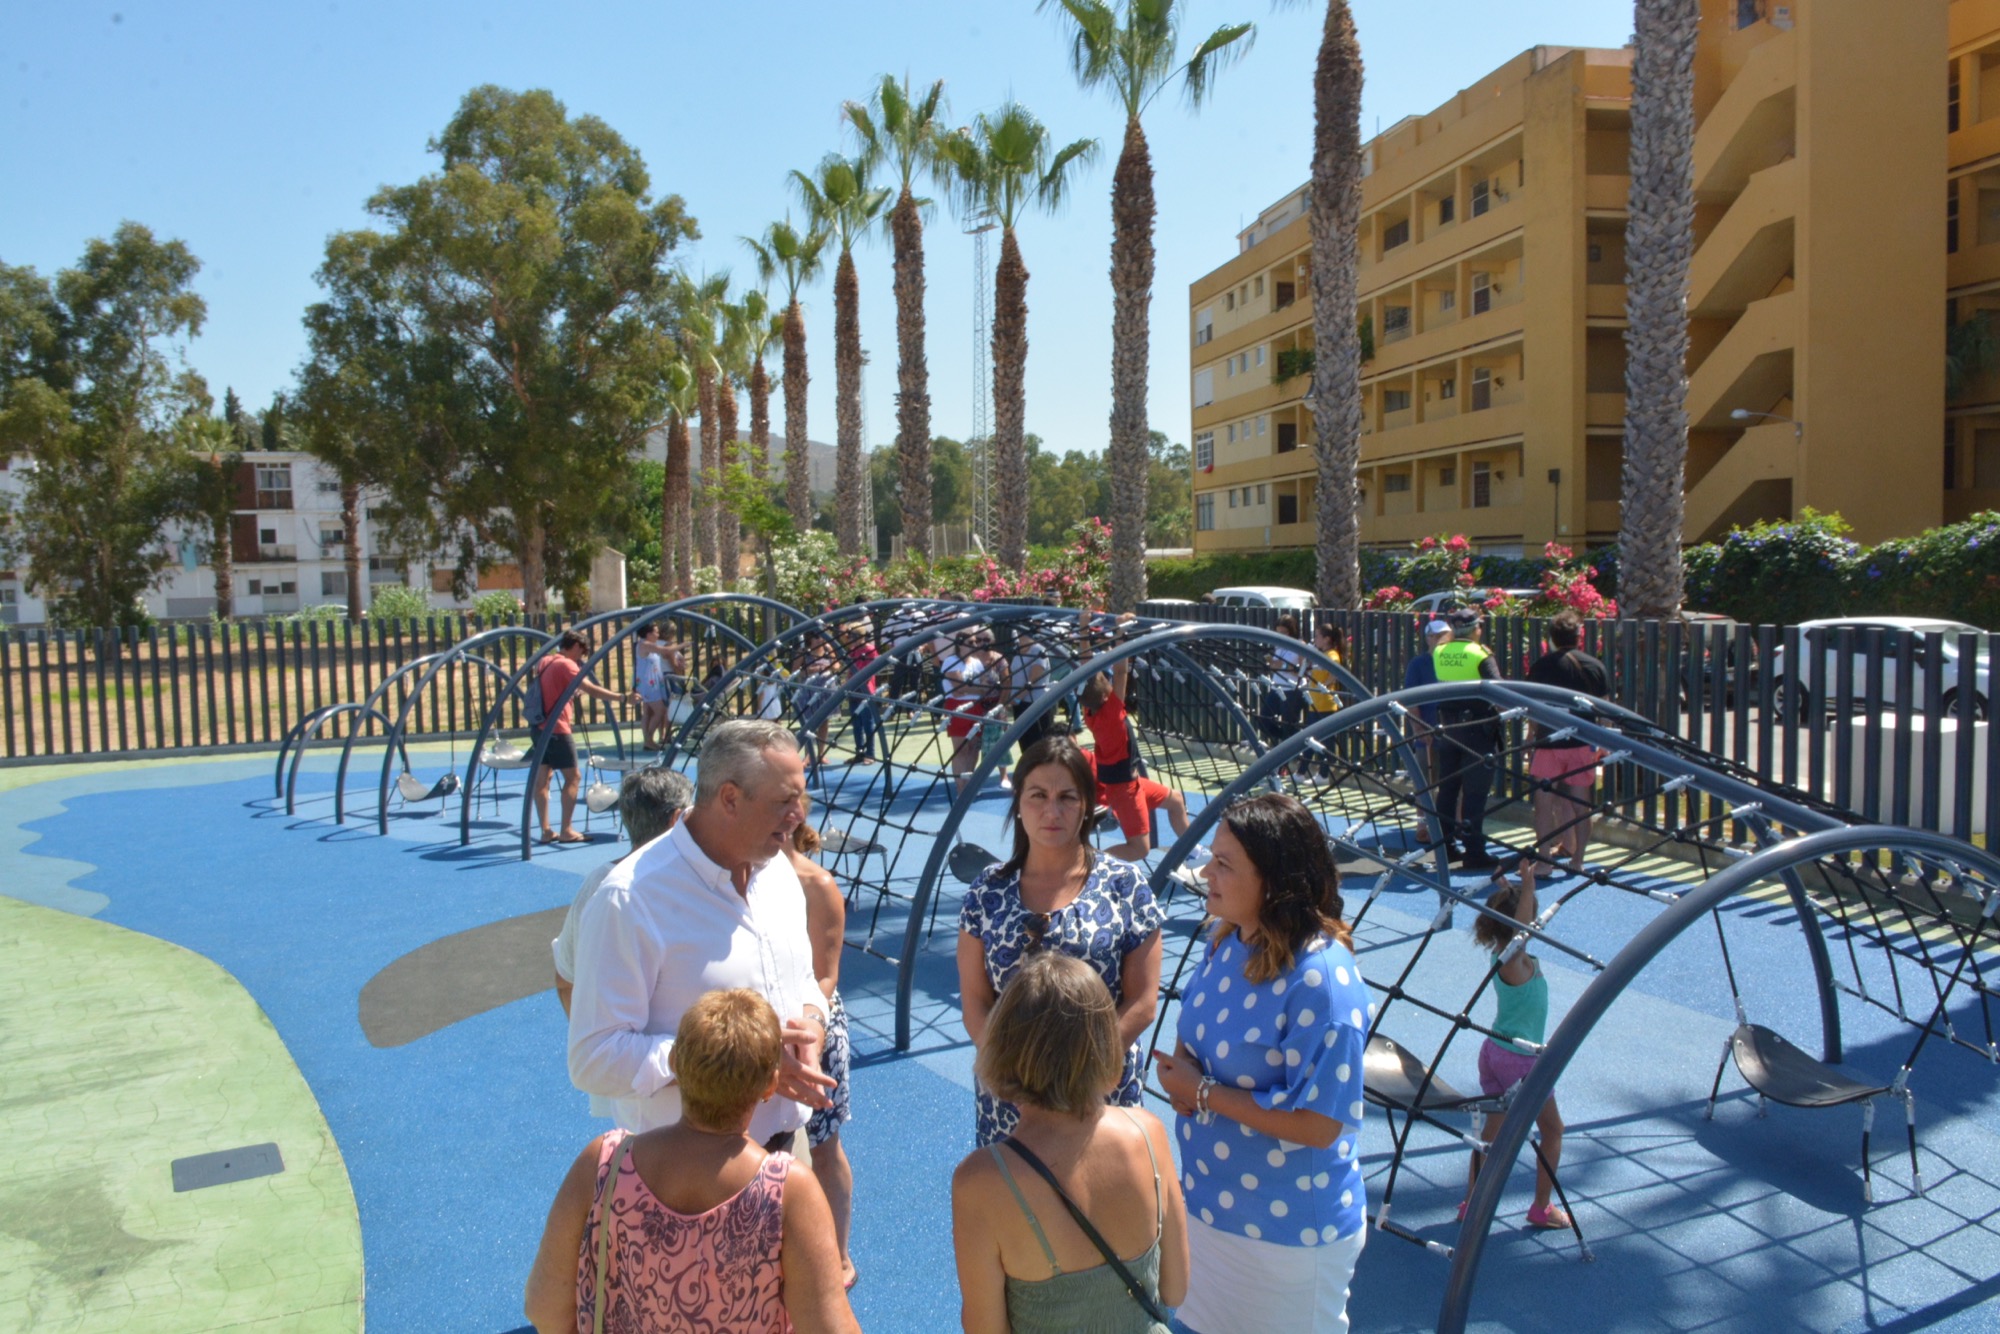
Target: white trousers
{"points": [[1240, 1286]]}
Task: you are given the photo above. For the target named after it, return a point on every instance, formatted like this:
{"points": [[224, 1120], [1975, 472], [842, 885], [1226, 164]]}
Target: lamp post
{"points": [[1744, 415]]}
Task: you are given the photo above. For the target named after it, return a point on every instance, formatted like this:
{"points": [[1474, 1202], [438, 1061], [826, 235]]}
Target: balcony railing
{"points": [[265, 552]]}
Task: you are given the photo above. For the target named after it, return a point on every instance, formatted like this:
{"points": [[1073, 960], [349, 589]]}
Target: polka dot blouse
{"points": [[1294, 1042]]}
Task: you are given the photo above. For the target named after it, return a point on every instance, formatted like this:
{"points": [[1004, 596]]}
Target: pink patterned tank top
{"points": [[671, 1271]]}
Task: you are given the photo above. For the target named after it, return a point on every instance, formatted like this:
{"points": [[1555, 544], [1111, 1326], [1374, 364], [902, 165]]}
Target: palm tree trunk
{"points": [[222, 559], [1127, 458], [679, 511], [1010, 401], [1659, 244], [1336, 379], [848, 478], [760, 438], [711, 463], [913, 376], [350, 537], [729, 529], [798, 468], [669, 520]]}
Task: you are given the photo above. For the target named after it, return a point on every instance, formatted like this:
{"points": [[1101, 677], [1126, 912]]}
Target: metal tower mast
{"points": [[980, 446]]}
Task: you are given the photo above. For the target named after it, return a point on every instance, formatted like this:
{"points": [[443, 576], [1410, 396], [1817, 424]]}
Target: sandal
{"points": [[1549, 1219]]}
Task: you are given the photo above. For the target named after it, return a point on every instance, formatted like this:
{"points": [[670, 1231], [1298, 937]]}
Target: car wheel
{"points": [[1791, 703], [1976, 712]]}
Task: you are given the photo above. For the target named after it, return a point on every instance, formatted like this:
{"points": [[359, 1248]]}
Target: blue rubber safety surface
{"points": [[456, 1141]]}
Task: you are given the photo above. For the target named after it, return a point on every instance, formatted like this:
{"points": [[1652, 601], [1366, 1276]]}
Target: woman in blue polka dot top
{"points": [[1267, 1080]]}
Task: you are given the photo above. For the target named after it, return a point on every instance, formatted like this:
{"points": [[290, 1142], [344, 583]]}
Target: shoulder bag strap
{"points": [[1132, 1284], [604, 1223]]}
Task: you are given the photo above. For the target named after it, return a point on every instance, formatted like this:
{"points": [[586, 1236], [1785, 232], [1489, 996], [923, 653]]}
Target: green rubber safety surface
{"points": [[123, 1053]]}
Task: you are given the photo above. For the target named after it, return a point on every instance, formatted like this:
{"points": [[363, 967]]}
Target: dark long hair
{"points": [[1301, 880], [1051, 750]]}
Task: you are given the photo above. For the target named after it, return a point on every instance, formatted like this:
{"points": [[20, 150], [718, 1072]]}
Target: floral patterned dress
{"points": [[1112, 915]]}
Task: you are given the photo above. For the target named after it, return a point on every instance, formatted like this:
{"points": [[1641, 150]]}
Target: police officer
{"points": [[1468, 737]]}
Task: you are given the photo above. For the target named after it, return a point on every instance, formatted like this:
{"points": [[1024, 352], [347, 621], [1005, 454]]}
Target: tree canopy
{"points": [[493, 356]]}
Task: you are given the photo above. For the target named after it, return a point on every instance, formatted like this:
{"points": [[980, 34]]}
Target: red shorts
{"points": [[1134, 803], [1569, 766], [966, 715]]}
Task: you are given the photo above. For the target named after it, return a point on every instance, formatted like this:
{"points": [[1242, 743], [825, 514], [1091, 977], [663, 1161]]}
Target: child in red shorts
{"points": [[1130, 796]]}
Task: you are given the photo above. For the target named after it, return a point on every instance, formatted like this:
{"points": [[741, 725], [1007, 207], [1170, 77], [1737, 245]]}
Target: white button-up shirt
{"points": [[666, 927]]}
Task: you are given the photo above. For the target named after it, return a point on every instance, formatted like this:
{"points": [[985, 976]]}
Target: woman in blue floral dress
{"points": [[1056, 892]]}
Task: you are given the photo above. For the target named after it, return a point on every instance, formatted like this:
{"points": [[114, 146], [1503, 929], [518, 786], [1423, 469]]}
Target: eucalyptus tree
{"points": [[1131, 48], [902, 130], [517, 306], [1659, 246], [786, 252], [838, 198], [94, 387], [1004, 164]]}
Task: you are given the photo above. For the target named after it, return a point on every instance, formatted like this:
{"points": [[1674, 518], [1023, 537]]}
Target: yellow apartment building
{"points": [[1492, 290]]}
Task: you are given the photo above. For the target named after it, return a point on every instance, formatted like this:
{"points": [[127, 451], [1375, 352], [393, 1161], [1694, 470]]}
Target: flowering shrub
{"points": [[1777, 573], [1389, 597], [812, 575], [1566, 585], [1075, 577]]}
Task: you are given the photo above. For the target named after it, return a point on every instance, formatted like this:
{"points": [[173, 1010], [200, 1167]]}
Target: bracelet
{"points": [[1203, 1113]]}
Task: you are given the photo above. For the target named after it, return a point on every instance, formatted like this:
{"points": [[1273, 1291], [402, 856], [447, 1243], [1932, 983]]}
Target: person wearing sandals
{"points": [[1058, 893], [826, 923], [1074, 1223], [1267, 1079], [692, 1225], [1521, 998]]}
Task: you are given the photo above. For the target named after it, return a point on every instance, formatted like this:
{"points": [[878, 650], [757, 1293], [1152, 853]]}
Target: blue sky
{"points": [[253, 131]]}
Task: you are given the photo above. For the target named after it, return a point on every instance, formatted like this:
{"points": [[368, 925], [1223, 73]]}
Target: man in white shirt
{"points": [[711, 905], [649, 802]]}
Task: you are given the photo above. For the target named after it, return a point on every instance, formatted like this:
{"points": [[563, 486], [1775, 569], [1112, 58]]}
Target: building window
{"points": [[1204, 327], [1204, 449], [1395, 234], [1204, 387], [1288, 437], [327, 486], [1481, 198], [1447, 301], [1204, 512], [256, 587], [1597, 254], [1395, 482], [1243, 363], [1448, 387], [267, 537], [1282, 295], [1447, 209], [1395, 322], [1260, 354], [1482, 486], [1260, 493], [1288, 508], [385, 569], [332, 539], [1950, 460], [1482, 392], [1258, 286], [1395, 400], [1951, 218], [1231, 436], [274, 486], [1263, 425], [333, 583], [1951, 98], [1989, 217], [1448, 475], [1746, 12], [1232, 497], [1229, 300], [1482, 293]]}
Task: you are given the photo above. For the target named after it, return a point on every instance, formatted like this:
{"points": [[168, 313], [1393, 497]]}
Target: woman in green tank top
{"points": [[1520, 1021]]}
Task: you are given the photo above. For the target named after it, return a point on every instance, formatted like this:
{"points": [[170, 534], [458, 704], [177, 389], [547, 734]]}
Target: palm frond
{"points": [[1224, 47]]}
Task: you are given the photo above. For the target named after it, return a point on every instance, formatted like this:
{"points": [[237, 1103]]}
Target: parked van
{"points": [[1263, 595]]}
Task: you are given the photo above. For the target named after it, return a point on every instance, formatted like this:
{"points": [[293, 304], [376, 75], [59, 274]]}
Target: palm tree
{"points": [[1336, 382], [1131, 47], [902, 131], [701, 301], [729, 365], [1659, 244], [676, 517], [839, 199], [1004, 164], [785, 251]]}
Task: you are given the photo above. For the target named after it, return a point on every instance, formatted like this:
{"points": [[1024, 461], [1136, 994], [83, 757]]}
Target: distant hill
{"points": [[820, 455]]}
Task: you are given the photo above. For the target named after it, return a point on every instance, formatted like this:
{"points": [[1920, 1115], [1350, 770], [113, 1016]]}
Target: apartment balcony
{"points": [[1507, 417], [267, 553], [1501, 319], [1463, 237], [1607, 194]]}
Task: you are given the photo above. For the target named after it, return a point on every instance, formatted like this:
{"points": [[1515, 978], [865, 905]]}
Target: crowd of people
{"points": [[700, 976]]}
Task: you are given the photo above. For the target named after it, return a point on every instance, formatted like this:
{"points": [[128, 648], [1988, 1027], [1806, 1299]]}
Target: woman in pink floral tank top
{"points": [[704, 1230]]}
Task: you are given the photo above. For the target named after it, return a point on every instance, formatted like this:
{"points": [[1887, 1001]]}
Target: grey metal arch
{"points": [[639, 618], [305, 730], [1557, 709], [445, 661], [1168, 640], [297, 733], [763, 653], [1780, 861]]}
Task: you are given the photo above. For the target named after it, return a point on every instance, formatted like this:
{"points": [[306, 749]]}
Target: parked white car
{"points": [[1811, 691], [1436, 604], [1264, 595]]}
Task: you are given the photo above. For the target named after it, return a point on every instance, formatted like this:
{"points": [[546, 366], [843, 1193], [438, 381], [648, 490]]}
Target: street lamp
{"points": [[1744, 415]]}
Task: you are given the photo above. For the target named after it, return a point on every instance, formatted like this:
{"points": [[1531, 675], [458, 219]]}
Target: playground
{"points": [[341, 950]]}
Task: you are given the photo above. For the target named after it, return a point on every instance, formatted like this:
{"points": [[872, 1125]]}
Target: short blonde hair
{"points": [[1052, 1041], [724, 1056]]}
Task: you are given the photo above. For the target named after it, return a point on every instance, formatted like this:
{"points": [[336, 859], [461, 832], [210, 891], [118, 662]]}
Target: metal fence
{"points": [[1874, 721]]}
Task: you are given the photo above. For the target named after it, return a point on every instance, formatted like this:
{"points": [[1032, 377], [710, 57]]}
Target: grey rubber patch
{"points": [[219, 1169]]}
